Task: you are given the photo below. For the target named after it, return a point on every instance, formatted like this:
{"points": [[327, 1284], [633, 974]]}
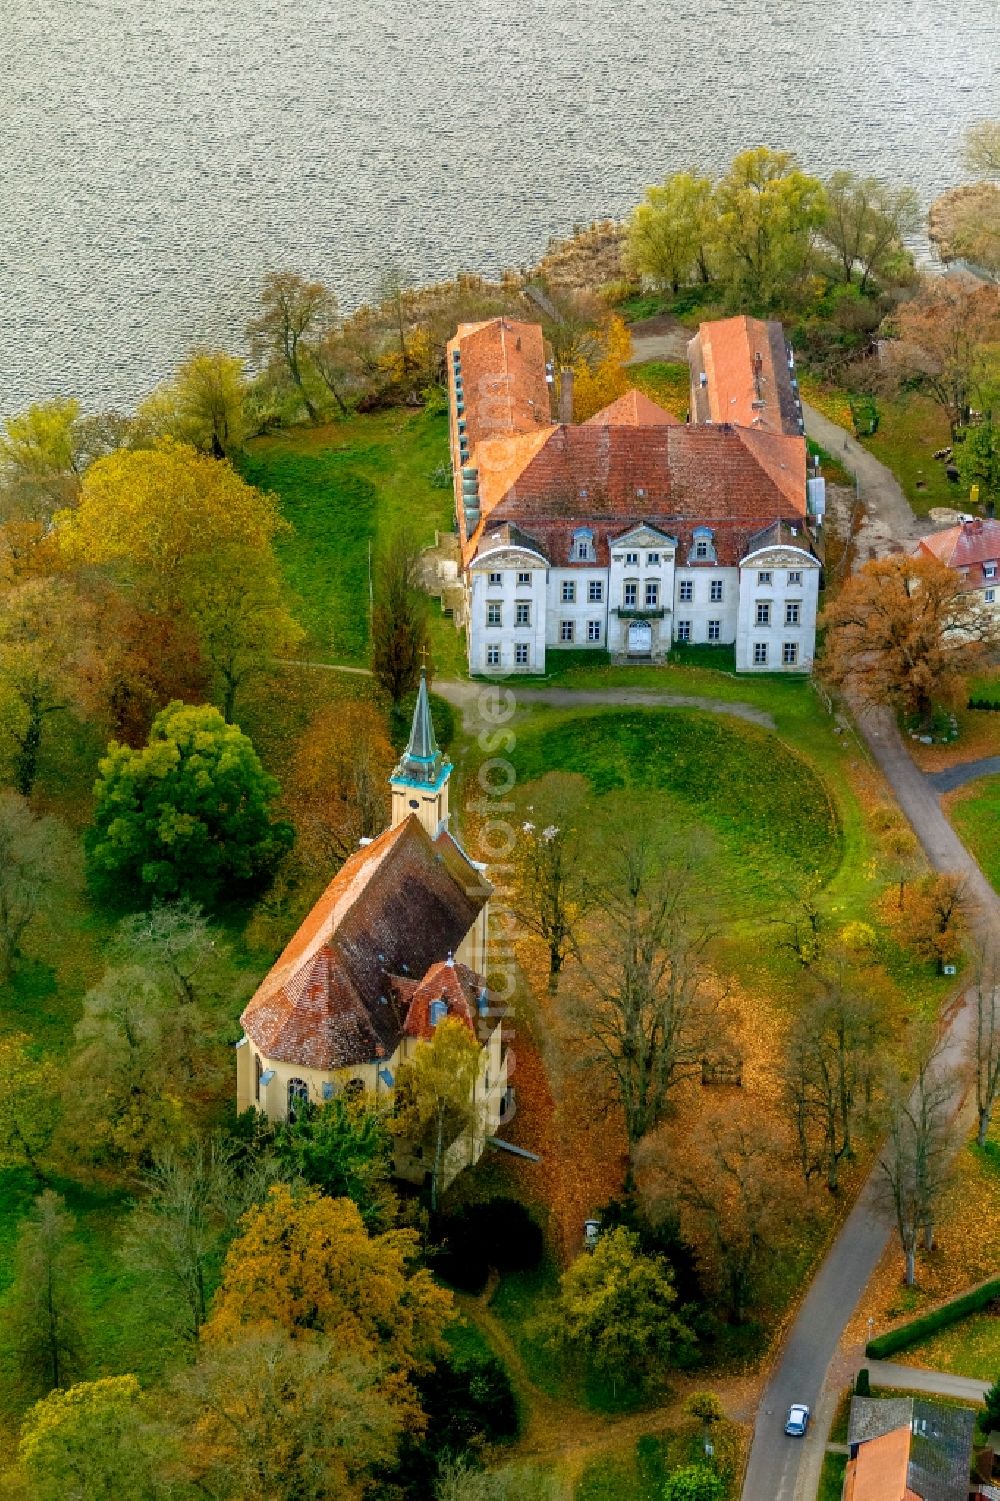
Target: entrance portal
{"points": [[640, 638]]}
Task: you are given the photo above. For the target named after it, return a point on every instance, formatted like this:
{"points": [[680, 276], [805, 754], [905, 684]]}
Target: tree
{"points": [[599, 381], [344, 1148], [293, 312], [935, 922], [902, 849], [554, 890], [235, 601], [866, 223], [915, 1161], [670, 232], [905, 631], [305, 1264], [36, 857], [616, 1310], [98, 1439], [990, 1420], [42, 1311], [941, 336], [697, 1482], [149, 515], [189, 814], [399, 620], [203, 404], [826, 1077], [986, 1043], [964, 224], [706, 1407], [460, 1480], [768, 214], [978, 458], [982, 148], [176, 940], [39, 639], [649, 1012], [436, 1095], [39, 456], [29, 1105], [336, 786]]}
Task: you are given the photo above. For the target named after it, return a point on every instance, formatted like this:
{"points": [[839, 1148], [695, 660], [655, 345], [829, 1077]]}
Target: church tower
{"points": [[420, 781]]}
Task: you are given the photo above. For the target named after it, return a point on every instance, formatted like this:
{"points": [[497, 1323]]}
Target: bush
{"points": [[929, 1323], [862, 1386], [694, 1483], [499, 1234]]}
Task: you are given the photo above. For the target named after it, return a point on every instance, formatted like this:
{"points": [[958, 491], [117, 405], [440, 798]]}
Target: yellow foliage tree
{"points": [[337, 789], [202, 405], [598, 382]]}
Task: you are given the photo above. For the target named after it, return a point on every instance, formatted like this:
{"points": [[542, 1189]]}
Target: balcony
{"points": [[637, 612]]}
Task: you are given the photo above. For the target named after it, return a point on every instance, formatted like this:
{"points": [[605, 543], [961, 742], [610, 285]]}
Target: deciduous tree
{"points": [[40, 635], [399, 619], [599, 381], [29, 1105], [986, 1043], [554, 885], [39, 457], [293, 312], [916, 1160], [695, 1482], [866, 224], [436, 1095], [978, 458], [941, 341], [203, 404], [904, 631], [670, 232], [336, 789], [344, 1148], [43, 1306], [769, 212], [37, 859], [982, 148]]}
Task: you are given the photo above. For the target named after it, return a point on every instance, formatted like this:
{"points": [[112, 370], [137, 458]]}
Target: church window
{"points": [[685, 591], [565, 630], [593, 630], [760, 654], [595, 591], [790, 653], [495, 580], [326, 1090], [354, 1088], [793, 611], [568, 592], [763, 612], [684, 630], [493, 656], [494, 614], [715, 630], [521, 658], [652, 595], [298, 1097], [715, 591], [631, 595], [258, 1069], [523, 615]]}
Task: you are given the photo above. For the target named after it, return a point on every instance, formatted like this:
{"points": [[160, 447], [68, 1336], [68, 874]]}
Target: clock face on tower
{"points": [[414, 803]]}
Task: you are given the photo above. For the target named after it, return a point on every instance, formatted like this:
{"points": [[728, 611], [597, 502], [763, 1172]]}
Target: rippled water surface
{"points": [[157, 156]]}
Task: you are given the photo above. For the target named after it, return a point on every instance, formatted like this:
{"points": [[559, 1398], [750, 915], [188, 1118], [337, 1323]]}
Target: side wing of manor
{"points": [[634, 530], [396, 943]]}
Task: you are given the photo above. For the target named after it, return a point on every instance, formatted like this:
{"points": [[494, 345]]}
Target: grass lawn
{"points": [[975, 812], [831, 1479], [667, 382], [639, 1474], [969, 1348], [342, 487]]}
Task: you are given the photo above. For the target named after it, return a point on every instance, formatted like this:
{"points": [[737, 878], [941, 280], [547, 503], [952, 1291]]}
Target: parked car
{"points": [[798, 1420]]}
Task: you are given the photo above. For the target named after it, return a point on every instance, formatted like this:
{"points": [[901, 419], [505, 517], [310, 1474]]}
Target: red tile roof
{"points": [[503, 378], [747, 379], [634, 409], [968, 545], [456, 985], [879, 1470], [393, 909]]}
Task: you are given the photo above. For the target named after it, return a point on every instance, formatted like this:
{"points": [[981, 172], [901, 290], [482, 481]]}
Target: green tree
{"points": [[866, 221], [293, 313], [37, 861], [189, 814], [176, 940], [204, 404], [697, 1482], [769, 212], [344, 1148], [436, 1095], [670, 231], [399, 620], [978, 458], [97, 1440], [616, 1310], [39, 457], [29, 1105], [40, 635], [990, 1420], [42, 1311]]}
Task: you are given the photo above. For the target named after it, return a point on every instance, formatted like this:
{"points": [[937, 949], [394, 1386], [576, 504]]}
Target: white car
{"points": [[797, 1421]]}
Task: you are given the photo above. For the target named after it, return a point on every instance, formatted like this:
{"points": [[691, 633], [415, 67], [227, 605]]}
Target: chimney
{"points": [[565, 394]]}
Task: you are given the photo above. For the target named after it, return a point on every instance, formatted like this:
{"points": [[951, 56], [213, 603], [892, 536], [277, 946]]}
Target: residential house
{"points": [[908, 1449], [396, 943], [972, 548]]}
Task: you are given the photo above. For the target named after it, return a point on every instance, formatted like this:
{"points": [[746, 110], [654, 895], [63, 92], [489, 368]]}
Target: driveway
{"points": [[889, 524], [909, 1378], [966, 771]]}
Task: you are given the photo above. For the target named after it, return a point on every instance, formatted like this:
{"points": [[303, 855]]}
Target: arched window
{"points": [[582, 550], [298, 1096], [704, 544]]}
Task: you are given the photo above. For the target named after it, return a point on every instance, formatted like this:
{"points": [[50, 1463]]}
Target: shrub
{"points": [[862, 1386], [694, 1483], [929, 1323]]}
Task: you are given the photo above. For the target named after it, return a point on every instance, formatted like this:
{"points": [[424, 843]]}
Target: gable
{"points": [[644, 535]]}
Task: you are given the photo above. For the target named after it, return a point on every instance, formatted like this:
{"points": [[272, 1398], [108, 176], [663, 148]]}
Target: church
{"points": [[396, 943], [633, 531]]}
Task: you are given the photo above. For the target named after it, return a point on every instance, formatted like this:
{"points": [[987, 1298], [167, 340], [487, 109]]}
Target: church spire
{"points": [[420, 781]]}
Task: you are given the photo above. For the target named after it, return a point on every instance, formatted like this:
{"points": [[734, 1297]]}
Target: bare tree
{"points": [[915, 1161], [399, 619], [554, 890], [175, 938], [292, 311], [986, 1045]]}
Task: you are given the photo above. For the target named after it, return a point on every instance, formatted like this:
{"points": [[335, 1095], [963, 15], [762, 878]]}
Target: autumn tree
{"points": [[29, 1105], [963, 224], [293, 313], [203, 404], [43, 1311], [940, 341], [935, 922], [616, 1310], [40, 461], [99, 1438], [602, 379], [39, 639], [648, 1012], [900, 847], [865, 225], [399, 638], [982, 148], [344, 1148], [916, 1159], [176, 941], [671, 231], [553, 880], [37, 861], [189, 814], [986, 1043], [905, 631], [436, 1096], [769, 213], [336, 789]]}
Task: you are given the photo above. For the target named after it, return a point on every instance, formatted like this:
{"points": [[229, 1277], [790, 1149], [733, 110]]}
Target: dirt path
{"points": [[659, 338], [889, 524], [464, 696]]}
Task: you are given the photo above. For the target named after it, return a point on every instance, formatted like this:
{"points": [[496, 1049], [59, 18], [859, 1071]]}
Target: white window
{"points": [[701, 549], [653, 559], [582, 547], [765, 577], [521, 654], [523, 614], [593, 630], [565, 630], [568, 593], [763, 612], [989, 595], [715, 630], [684, 630], [790, 653], [652, 595], [524, 578], [632, 558], [760, 654], [715, 591], [595, 591], [685, 591], [631, 594], [494, 614], [795, 578], [493, 656], [793, 612], [495, 580], [990, 570]]}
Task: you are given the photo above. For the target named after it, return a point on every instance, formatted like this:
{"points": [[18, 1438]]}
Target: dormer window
{"points": [[582, 548], [703, 547]]}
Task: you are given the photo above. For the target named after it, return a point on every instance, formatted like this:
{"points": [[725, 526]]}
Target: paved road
{"points": [[910, 1378], [967, 771], [464, 695]]}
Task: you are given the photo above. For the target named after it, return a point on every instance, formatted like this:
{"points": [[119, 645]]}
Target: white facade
{"points": [[776, 624]]}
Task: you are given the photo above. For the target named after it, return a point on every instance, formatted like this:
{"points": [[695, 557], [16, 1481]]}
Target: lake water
{"points": [[157, 156]]}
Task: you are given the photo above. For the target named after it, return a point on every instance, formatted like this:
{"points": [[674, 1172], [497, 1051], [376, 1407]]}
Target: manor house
{"points": [[634, 529], [396, 943]]}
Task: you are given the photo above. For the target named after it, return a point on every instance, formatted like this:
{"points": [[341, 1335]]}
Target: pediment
{"points": [[644, 535], [508, 557], [781, 556]]}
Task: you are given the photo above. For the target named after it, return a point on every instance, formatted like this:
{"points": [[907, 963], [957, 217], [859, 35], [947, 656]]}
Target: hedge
{"points": [[929, 1323], [984, 703]]}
